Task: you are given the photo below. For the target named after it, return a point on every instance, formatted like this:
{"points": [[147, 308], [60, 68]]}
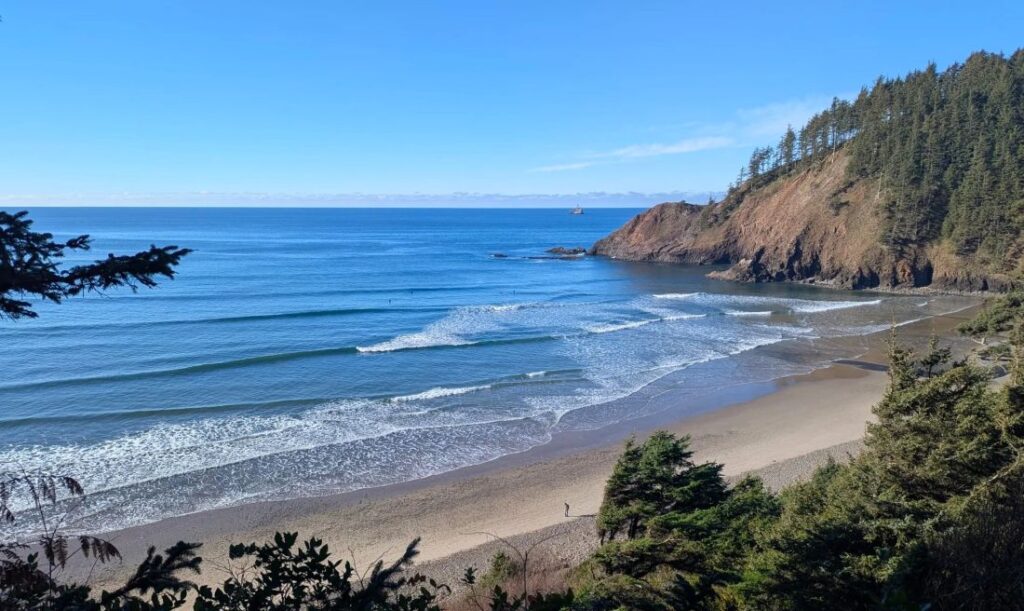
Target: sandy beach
{"points": [[781, 436]]}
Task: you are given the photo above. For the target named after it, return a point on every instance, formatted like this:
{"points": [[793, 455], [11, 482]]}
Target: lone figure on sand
{"points": [[567, 510]]}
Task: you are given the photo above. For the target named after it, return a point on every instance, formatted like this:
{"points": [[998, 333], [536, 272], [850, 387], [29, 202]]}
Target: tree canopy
{"points": [[929, 516], [945, 150], [30, 267]]}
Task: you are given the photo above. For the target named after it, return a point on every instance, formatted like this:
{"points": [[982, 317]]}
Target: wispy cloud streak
{"points": [[688, 145], [748, 127], [771, 120], [637, 151]]}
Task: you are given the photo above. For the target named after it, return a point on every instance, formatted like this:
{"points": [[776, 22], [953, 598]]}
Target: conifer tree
{"points": [[29, 267], [787, 147]]}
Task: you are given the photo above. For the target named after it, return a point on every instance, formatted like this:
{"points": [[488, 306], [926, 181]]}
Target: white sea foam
{"points": [[362, 432], [423, 339], [760, 313], [436, 393], [460, 327], [801, 306], [622, 326], [633, 324], [851, 330], [166, 450], [448, 331], [616, 382], [127, 488], [671, 317], [503, 307], [813, 307]]}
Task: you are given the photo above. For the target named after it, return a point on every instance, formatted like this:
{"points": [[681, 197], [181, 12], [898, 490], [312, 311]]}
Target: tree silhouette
{"points": [[30, 267]]}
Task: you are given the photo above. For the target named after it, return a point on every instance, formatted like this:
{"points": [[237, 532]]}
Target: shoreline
{"points": [[780, 430]]}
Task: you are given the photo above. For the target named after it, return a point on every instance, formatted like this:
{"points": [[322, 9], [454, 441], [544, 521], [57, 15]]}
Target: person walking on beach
{"points": [[567, 510]]}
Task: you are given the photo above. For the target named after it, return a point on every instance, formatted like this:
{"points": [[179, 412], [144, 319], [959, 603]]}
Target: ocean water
{"points": [[307, 352]]}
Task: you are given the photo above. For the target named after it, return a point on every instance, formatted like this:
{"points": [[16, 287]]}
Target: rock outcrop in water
{"points": [[810, 226], [563, 251]]}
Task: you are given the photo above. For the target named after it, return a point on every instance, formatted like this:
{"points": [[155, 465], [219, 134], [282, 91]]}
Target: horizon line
{"points": [[241, 199], [330, 207]]}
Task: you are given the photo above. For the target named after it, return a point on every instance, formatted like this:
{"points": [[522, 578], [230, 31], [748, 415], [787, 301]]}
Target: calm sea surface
{"points": [[305, 352]]}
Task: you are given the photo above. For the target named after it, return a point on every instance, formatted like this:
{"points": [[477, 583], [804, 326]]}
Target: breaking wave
{"points": [[813, 307], [437, 393]]}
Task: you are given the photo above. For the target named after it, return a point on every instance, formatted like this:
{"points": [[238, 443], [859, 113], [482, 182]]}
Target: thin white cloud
{"points": [[748, 127], [771, 120], [688, 145], [638, 151]]}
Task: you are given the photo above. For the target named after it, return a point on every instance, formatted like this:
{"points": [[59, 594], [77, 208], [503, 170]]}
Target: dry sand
{"points": [[782, 436]]}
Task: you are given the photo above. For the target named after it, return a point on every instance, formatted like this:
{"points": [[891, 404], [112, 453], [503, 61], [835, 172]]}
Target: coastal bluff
{"points": [[811, 225]]}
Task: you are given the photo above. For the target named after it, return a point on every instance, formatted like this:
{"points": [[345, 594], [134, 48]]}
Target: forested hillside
{"points": [[932, 163]]}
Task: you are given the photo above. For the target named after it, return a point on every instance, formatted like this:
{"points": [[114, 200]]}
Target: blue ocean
{"points": [[308, 352]]}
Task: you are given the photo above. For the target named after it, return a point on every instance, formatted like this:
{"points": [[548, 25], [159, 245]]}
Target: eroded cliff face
{"points": [[811, 226]]}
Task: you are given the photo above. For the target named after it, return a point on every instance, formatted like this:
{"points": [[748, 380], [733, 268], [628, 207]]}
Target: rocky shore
{"points": [[796, 228]]}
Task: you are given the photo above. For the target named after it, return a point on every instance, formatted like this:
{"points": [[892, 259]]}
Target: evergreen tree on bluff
{"points": [[944, 149]]}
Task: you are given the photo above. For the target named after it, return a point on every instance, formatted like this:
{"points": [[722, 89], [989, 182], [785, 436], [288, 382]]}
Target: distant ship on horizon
{"points": [[576, 210]]}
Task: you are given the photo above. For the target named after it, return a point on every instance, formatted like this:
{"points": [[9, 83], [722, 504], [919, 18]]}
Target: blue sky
{"points": [[180, 101]]}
